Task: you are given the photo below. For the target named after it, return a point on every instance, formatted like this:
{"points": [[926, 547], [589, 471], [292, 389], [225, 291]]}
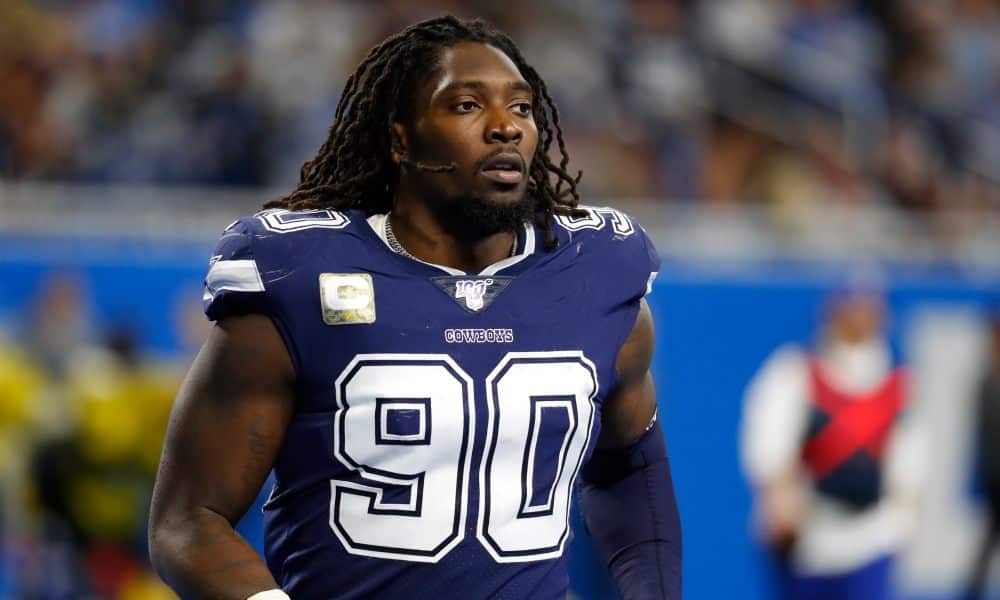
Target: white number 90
{"points": [[405, 425]]}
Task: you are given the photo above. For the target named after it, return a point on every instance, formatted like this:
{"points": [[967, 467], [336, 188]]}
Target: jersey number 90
{"points": [[406, 425]]}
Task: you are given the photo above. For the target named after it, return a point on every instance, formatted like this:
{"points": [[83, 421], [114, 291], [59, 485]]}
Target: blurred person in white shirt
{"points": [[833, 455]]}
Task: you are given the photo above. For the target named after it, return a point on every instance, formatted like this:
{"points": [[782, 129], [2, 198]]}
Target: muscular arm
{"points": [[627, 493], [227, 425], [631, 405]]}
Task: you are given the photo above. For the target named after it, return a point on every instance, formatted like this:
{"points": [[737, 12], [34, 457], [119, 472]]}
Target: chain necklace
{"points": [[390, 237]]}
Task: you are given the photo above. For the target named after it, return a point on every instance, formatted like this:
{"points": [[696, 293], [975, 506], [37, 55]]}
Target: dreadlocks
{"points": [[353, 168]]}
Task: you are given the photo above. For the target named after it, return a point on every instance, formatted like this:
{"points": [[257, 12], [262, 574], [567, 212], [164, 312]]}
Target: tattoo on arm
{"points": [[258, 457], [226, 429]]}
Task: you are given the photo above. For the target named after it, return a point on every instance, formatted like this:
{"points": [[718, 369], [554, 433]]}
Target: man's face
{"points": [[475, 112], [857, 319]]}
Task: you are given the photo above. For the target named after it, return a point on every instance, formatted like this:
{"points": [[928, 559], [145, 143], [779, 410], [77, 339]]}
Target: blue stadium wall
{"points": [[714, 327]]}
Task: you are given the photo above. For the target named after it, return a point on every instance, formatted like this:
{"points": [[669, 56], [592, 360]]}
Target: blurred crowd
{"points": [[83, 411], [784, 103]]}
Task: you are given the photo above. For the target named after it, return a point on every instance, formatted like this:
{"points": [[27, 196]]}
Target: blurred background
{"points": [[770, 147]]}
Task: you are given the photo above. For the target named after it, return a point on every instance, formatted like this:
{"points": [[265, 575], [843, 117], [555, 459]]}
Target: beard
{"points": [[473, 218]]}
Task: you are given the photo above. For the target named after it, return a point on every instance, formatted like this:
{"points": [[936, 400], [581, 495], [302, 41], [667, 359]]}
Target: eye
{"points": [[466, 106], [523, 108]]}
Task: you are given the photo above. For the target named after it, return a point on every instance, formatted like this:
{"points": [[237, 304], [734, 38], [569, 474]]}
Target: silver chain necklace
{"points": [[390, 237]]}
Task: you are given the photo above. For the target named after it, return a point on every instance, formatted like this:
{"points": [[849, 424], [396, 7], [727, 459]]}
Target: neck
{"points": [[425, 238]]}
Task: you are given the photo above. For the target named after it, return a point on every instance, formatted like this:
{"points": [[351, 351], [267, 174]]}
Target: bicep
{"points": [[631, 405], [228, 421]]}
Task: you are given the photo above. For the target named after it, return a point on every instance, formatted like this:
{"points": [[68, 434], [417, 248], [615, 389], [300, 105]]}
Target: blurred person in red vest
{"points": [[988, 438], [834, 465]]}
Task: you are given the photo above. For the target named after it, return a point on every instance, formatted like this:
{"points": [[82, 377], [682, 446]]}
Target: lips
{"points": [[506, 167]]}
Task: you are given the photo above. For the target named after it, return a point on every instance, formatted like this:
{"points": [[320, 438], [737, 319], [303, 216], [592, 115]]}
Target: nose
{"points": [[503, 129]]}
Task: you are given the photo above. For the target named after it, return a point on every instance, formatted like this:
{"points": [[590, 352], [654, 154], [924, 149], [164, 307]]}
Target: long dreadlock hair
{"points": [[353, 168]]}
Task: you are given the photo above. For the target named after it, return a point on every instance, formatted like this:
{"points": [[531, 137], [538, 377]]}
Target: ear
{"points": [[403, 143]]}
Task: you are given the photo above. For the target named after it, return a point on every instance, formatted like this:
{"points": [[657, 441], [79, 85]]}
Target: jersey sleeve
{"points": [[635, 262], [233, 284], [627, 269], [626, 261]]}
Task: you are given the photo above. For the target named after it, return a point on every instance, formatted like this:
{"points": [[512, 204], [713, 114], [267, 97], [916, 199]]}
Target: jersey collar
{"points": [[525, 248]]}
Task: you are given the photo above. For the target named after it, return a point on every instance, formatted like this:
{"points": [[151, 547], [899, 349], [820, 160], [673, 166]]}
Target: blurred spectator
{"points": [[81, 428], [988, 423], [93, 483], [58, 325], [834, 466], [22, 382]]}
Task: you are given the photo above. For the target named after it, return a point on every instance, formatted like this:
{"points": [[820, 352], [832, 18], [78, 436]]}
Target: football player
{"points": [[433, 346]]}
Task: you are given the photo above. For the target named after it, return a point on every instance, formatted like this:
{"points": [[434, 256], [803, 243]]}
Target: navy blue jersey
{"points": [[442, 417]]}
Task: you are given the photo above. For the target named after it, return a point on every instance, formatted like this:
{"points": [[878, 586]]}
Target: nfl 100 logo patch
{"points": [[474, 294], [473, 291]]}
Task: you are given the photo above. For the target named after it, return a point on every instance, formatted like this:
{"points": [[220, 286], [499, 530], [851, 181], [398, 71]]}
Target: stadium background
{"points": [[768, 146]]}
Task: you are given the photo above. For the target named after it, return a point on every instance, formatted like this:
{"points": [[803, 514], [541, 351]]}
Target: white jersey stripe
{"points": [[233, 275]]}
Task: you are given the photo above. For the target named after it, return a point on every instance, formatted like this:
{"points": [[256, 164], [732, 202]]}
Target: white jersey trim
{"points": [[274, 594], [233, 275]]}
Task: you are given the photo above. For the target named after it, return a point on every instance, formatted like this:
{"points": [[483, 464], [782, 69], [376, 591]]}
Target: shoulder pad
{"points": [[280, 220], [233, 283], [630, 258]]}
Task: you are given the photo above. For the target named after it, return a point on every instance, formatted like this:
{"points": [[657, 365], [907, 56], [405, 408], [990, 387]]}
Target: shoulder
{"points": [[283, 221], [610, 228], [614, 241], [255, 252], [276, 235], [599, 221], [787, 357], [786, 366]]}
